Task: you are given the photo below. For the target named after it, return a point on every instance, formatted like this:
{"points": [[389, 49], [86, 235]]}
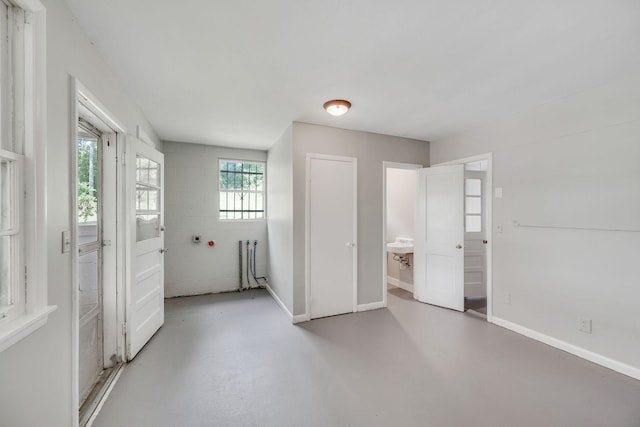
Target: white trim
{"points": [[105, 396], [279, 301], [299, 318], [389, 165], [372, 306], [144, 137], [400, 284], [489, 211], [596, 358], [22, 326], [307, 231]]}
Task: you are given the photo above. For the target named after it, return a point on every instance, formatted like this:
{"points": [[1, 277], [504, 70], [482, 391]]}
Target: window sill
{"points": [[24, 325]]}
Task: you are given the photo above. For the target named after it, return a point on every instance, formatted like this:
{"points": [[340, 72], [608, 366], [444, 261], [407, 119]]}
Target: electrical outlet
{"points": [[499, 228], [584, 325], [507, 299]]}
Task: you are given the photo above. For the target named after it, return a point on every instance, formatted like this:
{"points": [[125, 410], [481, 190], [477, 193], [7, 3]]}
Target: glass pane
{"points": [[259, 182], [147, 171], [88, 282], [6, 194], [223, 201], [473, 205], [246, 167], [147, 199], [259, 202], [473, 187], [224, 180], [6, 270], [473, 223], [147, 227], [88, 178]]}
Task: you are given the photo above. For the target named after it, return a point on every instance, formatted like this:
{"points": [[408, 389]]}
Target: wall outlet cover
{"points": [[584, 325]]}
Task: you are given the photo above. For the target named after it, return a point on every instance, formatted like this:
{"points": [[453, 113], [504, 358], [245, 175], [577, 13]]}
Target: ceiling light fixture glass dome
{"points": [[337, 107]]}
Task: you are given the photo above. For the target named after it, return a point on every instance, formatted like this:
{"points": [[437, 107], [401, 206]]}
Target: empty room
{"points": [[293, 213]]}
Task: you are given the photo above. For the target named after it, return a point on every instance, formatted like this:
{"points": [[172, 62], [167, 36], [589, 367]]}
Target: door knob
{"points": [[350, 245], [458, 246], [163, 250], [485, 242]]}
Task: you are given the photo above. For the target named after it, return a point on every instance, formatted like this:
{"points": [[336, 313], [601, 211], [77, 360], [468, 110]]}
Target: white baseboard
{"points": [[402, 285], [280, 303], [371, 306], [300, 318], [596, 358]]}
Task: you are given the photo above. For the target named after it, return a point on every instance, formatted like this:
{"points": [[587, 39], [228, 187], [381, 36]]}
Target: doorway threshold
{"points": [[94, 401]]}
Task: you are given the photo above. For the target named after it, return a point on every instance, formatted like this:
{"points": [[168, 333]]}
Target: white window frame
{"points": [[263, 191], [28, 58]]}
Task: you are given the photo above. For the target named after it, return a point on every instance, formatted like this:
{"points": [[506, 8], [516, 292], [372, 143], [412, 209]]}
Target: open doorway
{"points": [[398, 226], [96, 253], [437, 231]]}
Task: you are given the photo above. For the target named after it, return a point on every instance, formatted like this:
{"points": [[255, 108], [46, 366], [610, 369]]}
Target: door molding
{"points": [[80, 94], [489, 210], [307, 231], [389, 165]]}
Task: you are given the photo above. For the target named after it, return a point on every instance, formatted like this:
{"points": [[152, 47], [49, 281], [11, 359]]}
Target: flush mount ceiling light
{"points": [[337, 107]]}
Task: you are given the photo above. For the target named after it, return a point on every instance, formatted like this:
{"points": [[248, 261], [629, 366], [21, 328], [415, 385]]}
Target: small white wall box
{"points": [[197, 238]]}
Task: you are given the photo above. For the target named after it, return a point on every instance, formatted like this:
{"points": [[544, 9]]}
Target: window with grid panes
{"points": [[242, 190]]}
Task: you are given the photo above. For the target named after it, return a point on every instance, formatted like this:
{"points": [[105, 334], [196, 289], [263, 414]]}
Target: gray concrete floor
{"points": [[235, 360]]}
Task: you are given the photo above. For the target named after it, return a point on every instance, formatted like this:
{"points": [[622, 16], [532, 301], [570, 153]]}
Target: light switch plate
{"points": [[66, 241], [498, 192]]}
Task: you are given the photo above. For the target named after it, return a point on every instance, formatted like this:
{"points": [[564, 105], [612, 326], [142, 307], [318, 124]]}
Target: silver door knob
{"points": [[458, 246], [163, 250]]}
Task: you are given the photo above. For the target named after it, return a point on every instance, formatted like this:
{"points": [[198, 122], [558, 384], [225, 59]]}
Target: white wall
{"points": [[573, 162], [401, 203], [35, 374], [191, 207], [280, 217], [371, 150], [401, 209]]}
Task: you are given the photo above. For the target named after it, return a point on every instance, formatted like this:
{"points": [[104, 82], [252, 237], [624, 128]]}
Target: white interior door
{"points": [[145, 296], [332, 235], [439, 255]]}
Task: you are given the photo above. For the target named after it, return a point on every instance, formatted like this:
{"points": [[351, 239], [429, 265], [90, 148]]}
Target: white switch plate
{"points": [[66, 241], [498, 192]]}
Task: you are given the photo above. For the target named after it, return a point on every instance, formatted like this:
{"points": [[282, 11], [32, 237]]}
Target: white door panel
{"points": [[439, 258], [145, 293], [331, 236]]}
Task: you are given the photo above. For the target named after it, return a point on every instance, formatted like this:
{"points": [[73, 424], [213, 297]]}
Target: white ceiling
{"points": [[237, 72]]}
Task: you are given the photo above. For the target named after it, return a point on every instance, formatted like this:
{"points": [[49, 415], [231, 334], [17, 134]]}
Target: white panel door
{"points": [[145, 293], [439, 255], [332, 235]]}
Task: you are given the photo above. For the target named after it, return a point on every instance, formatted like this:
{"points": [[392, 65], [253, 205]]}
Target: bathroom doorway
{"points": [[398, 226], [399, 222]]}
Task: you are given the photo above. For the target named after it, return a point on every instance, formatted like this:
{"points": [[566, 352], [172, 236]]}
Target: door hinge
{"points": [[124, 328]]}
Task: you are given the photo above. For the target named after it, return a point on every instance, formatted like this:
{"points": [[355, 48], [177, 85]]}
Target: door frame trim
{"points": [[389, 165], [307, 231], [80, 92], [489, 218]]}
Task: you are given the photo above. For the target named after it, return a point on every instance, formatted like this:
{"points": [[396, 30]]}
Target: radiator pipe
{"points": [[239, 265]]}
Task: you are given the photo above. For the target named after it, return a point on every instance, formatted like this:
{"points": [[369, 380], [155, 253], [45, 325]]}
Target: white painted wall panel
{"points": [[191, 191], [280, 217], [573, 162]]}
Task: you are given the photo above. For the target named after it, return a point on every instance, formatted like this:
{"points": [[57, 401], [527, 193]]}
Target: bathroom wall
{"points": [[401, 206]]}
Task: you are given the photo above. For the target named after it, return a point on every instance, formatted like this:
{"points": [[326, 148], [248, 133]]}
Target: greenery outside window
{"points": [[241, 185]]}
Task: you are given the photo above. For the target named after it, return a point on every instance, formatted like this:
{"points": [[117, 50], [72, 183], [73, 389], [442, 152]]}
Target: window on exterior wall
{"points": [[22, 173], [241, 190]]}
